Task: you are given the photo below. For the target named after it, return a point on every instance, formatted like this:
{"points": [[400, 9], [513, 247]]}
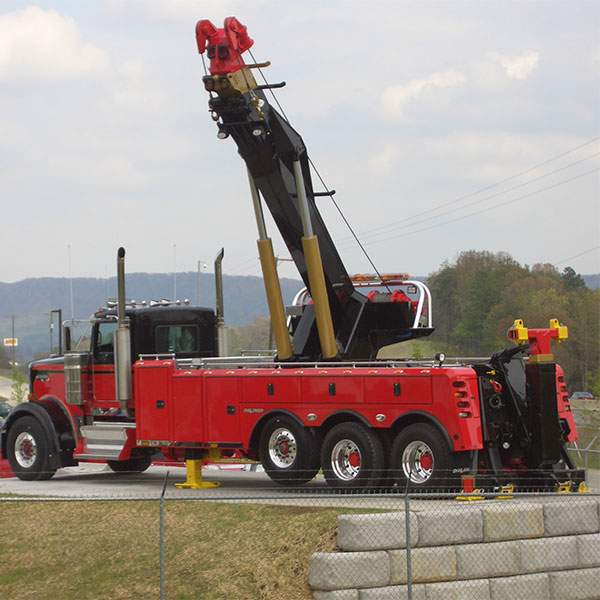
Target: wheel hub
{"points": [[25, 450], [346, 460], [282, 448], [417, 462]]}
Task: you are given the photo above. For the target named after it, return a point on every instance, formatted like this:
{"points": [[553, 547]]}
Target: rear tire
{"points": [[137, 464], [28, 450], [289, 452], [352, 457], [421, 452]]}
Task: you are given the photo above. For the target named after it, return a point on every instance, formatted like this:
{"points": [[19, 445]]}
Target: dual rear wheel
{"points": [[353, 455]]}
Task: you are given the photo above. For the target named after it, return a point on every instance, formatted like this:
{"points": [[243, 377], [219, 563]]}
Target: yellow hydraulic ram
{"points": [[274, 299], [271, 279], [314, 267]]}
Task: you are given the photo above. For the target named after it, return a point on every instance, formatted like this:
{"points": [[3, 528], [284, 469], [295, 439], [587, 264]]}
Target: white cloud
{"points": [[382, 162], [517, 67], [37, 43], [395, 98], [182, 10]]}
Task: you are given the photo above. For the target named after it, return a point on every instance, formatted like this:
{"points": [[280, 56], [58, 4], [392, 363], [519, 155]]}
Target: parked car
{"points": [[581, 396]]}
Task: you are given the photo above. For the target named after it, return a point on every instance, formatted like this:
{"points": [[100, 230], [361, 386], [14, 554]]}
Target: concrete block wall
{"points": [[531, 550]]}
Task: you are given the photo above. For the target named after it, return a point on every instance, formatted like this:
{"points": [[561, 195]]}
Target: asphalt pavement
{"points": [[237, 484]]}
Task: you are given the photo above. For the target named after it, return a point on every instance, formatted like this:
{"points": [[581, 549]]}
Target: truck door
{"points": [[103, 364]]}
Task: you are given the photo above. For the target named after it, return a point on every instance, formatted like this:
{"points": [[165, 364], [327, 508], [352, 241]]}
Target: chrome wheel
{"points": [[417, 462], [282, 448], [25, 449], [346, 460]]}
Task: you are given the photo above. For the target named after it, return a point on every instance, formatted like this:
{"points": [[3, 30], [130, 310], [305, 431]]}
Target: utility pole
{"points": [[202, 266]]}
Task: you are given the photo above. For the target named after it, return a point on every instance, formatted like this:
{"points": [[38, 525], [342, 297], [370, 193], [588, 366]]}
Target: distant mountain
{"points": [[31, 300], [592, 281]]}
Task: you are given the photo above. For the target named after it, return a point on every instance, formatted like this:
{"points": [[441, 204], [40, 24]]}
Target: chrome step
{"points": [[104, 440]]}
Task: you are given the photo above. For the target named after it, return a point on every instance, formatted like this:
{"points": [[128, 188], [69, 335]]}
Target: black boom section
{"points": [[269, 146]]}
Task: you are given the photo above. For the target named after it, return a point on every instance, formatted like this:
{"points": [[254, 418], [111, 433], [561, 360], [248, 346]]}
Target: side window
{"points": [[78, 336], [176, 339], [104, 348]]}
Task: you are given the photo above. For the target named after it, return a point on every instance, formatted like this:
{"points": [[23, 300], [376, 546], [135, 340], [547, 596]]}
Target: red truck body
{"points": [[181, 405]]}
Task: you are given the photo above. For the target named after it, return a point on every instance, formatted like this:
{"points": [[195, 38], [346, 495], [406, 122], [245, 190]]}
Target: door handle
{"points": [[160, 404]]}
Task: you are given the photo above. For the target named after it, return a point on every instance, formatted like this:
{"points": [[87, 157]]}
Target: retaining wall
{"points": [[518, 549]]}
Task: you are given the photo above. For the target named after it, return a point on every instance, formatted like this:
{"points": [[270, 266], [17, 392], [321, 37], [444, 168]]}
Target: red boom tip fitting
{"points": [[225, 46]]}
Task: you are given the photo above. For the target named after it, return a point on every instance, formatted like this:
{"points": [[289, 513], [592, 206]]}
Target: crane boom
{"points": [[278, 164]]}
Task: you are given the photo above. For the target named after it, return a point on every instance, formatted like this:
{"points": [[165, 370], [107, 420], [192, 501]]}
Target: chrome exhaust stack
{"points": [[220, 305], [122, 346]]}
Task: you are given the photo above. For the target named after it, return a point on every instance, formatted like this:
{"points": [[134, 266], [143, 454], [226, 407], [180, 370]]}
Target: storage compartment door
{"points": [[153, 403], [222, 409]]}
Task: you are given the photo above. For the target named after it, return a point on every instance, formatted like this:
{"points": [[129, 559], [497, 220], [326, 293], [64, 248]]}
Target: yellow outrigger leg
{"points": [[194, 481]]}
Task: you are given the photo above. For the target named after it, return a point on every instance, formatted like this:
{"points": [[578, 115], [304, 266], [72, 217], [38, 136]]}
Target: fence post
{"points": [[408, 549], [161, 540]]}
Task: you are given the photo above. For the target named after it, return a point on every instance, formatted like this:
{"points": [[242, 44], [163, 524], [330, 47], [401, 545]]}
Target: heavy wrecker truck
{"points": [[154, 382]]}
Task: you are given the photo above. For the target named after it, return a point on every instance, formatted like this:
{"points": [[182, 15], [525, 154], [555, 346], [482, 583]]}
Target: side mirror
{"points": [[67, 338]]}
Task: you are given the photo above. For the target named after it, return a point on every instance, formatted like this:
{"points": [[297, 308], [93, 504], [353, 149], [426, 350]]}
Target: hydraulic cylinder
{"points": [[314, 267], [271, 280]]}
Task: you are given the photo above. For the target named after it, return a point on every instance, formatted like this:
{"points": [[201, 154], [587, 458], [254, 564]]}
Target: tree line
{"points": [[477, 297]]}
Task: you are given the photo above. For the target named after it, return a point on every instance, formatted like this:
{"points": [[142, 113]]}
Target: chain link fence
{"points": [[275, 543]]}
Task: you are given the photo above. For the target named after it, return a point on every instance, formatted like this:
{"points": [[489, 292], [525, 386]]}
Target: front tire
{"points": [[289, 452], [352, 457], [421, 457], [28, 450]]}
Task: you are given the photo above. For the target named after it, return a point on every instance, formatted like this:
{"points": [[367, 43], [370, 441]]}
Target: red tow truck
{"points": [[154, 384]]}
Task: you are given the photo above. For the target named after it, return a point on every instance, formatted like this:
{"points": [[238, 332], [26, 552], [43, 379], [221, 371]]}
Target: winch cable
{"points": [[312, 164]]}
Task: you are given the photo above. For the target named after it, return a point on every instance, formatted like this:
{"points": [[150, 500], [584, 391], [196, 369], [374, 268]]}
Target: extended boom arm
{"points": [[342, 322]]}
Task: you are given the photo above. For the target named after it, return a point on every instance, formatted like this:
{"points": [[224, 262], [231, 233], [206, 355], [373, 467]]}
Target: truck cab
{"points": [[73, 397]]}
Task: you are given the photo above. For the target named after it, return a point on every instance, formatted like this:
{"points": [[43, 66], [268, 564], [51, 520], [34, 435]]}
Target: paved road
{"points": [[98, 481]]}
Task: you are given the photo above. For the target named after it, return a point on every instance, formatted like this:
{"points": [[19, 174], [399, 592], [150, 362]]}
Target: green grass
{"points": [[90, 550]]}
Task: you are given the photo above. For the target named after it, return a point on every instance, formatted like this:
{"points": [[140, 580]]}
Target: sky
{"points": [[443, 126]]}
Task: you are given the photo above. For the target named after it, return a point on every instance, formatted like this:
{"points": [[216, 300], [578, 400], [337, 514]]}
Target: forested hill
{"points": [[31, 300], [244, 295], [477, 297]]}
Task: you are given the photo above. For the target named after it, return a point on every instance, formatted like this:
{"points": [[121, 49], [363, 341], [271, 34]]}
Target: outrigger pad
{"points": [[194, 481]]}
